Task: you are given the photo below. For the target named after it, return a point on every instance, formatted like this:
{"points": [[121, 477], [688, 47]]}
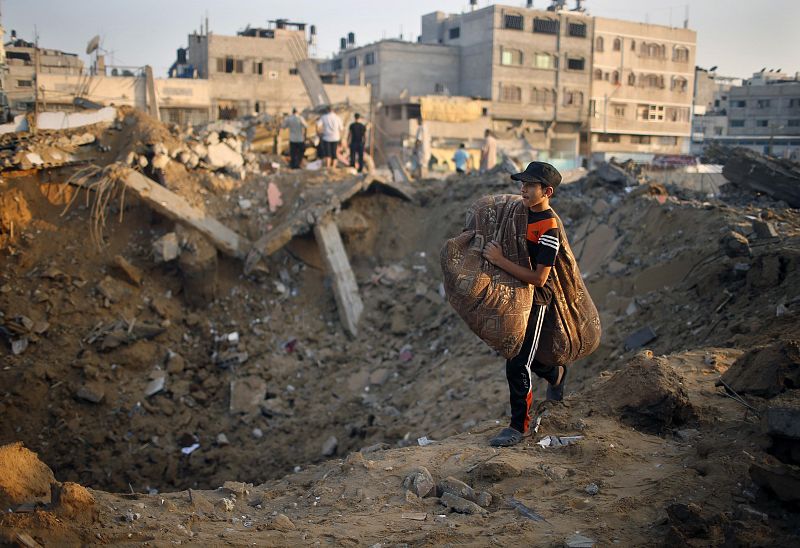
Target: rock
{"points": [[379, 376], [484, 499], [456, 487], [156, 385], [166, 248], [781, 479], [220, 155], [764, 229], [91, 392], [688, 434], [330, 446], [222, 440], [133, 274], [113, 290], [615, 267], [160, 161], [735, 245], [579, 541], [282, 523], [24, 477], [639, 338], [257, 433], [496, 470], [274, 197], [555, 472], [247, 395], [419, 481], [592, 489], [175, 363], [461, 505], [766, 371]]}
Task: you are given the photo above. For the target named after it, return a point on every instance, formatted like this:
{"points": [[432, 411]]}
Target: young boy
{"points": [[537, 184]]}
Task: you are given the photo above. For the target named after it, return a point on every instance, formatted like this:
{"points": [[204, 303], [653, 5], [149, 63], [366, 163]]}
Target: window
{"points": [[598, 43], [544, 25], [615, 78], [651, 113], [631, 79], [739, 104], [617, 44], [513, 22], [763, 103], [510, 94], [793, 123], [511, 57], [575, 64], [258, 68], [737, 123], [239, 66], [679, 83], [542, 61], [680, 54], [652, 81], [293, 71], [794, 103], [454, 33], [598, 74], [762, 123], [577, 29], [633, 45], [668, 140], [618, 110], [608, 138], [677, 114], [640, 139], [229, 64], [542, 96], [718, 131], [439, 88], [653, 50], [352, 62], [369, 59], [24, 83], [573, 98]]}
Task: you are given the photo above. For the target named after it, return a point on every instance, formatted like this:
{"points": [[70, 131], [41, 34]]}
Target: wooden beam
{"points": [[176, 208], [345, 288]]}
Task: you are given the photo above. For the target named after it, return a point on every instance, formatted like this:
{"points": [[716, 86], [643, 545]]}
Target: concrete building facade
{"points": [[710, 117], [642, 89]]}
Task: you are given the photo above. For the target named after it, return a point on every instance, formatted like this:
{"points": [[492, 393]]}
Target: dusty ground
{"points": [[414, 370]]}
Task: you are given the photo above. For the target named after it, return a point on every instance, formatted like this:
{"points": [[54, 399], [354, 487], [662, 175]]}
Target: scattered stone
{"points": [[419, 481], [258, 433], [247, 395], [688, 434], [166, 248], [222, 440], [283, 523], [496, 470], [330, 446], [220, 155], [456, 487], [781, 479], [461, 505], [592, 489], [175, 363], [18, 346], [91, 392], [156, 385], [579, 541], [416, 516], [227, 504], [766, 371], [555, 472], [484, 499], [639, 338]]}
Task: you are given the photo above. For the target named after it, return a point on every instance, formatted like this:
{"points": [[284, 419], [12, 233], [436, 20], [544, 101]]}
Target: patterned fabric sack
{"points": [[571, 328], [496, 306]]}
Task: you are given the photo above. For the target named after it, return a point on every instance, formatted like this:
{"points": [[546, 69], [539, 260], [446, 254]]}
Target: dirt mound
{"points": [[23, 477], [647, 394], [766, 371]]}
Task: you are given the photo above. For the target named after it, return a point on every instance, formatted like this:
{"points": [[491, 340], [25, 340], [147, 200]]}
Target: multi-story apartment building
{"points": [[764, 114], [710, 117], [642, 89], [23, 60]]}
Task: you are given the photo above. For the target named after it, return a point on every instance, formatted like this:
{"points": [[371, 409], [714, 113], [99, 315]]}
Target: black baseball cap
{"points": [[539, 172]]}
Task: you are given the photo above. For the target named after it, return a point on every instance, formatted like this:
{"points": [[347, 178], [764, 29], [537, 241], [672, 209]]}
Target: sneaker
{"points": [[506, 438], [556, 393]]}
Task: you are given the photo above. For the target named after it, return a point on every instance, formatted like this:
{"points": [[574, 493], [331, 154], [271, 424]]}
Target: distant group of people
{"points": [[461, 157], [329, 128]]}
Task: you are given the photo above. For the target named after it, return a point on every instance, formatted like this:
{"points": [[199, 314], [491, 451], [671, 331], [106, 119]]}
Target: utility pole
{"points": [[35, 78]]}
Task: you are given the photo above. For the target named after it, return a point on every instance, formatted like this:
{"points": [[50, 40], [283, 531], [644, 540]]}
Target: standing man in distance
{"points": [[358, 137], [422, 148], [488, 151], [297, 138], [330, 128], [461, 159]]}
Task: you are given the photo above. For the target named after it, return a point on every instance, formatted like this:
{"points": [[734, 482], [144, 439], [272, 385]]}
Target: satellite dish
{"points": [[93, 44]]}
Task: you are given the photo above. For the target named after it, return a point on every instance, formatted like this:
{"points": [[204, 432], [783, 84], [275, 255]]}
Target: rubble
{"points": [[756, 172]]}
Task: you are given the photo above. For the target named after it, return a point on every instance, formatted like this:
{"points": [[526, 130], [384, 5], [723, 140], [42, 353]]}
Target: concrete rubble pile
{"points": [[175, 370]]}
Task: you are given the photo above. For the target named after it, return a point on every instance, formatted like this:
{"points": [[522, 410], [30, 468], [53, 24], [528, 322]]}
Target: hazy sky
{"points": [[739, 36]]}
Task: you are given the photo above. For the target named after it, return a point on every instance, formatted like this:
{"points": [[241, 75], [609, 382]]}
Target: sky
{"points": [[738, 36]]}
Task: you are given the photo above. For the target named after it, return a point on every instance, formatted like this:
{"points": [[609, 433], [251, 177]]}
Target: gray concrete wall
{"points": [[780, 115]]}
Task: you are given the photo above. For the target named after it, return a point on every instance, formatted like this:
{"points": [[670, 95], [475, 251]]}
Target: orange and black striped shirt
{"points": [[543, 244]]}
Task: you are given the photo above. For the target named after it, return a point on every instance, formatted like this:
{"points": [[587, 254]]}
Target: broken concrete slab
{"points": [[178, 209], [782, 415], [166, 248], [781, 479], [766, 371], [220, 155], [764, 229], [640, 337], [419, 481], [759, 173], [133, 274], [64, 120], [461, 505], [345, 288]]}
